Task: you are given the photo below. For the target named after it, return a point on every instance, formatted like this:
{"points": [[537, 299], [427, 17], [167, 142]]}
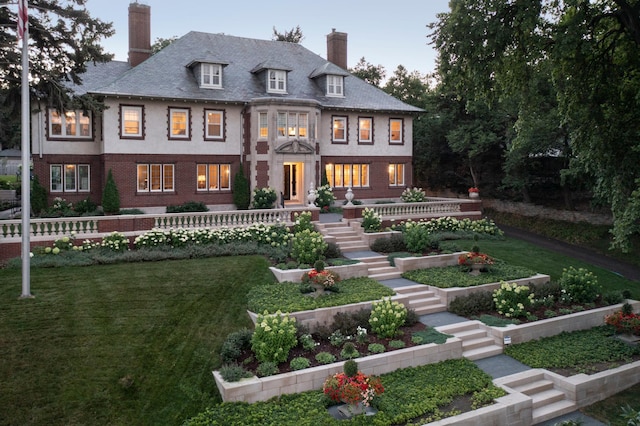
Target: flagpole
{"points": [[26, 155]]}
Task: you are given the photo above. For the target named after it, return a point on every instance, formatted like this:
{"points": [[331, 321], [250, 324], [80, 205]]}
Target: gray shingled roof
{"points": [[166, 74]]}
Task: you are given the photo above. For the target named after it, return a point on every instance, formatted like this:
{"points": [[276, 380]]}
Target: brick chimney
{"points": [[139, 33], [337, 48]]}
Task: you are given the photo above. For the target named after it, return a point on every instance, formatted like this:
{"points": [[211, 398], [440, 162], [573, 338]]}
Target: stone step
{"points": [[480, 342], [522, 379], [347, 238], [352, 248], [458, 327], [480, 353], [470, 334], [385, 276], [331, 225], [418, 294], [553, 410], [373, 259], [429, 309], [547, 397], [339, 231], [410, 288], [379, 264], [420, 301], [534, 387]]}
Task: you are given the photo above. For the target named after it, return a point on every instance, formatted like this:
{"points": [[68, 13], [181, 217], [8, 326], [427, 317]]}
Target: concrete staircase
{"points": [[380, 268], [343, 235], [549, 401], [421, 299], [476, 342]]}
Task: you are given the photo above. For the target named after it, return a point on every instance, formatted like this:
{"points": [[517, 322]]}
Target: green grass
{"points": [[452, 276], [67, 354], [609, 410]]}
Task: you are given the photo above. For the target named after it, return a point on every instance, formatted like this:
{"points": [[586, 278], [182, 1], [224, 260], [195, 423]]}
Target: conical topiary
{"points": [[241, 190], [350, 368], [38, 196], [110, 196]]}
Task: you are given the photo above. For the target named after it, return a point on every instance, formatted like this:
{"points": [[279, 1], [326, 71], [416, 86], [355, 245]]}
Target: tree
{"points": [[110, 196], [585, 56], [63, 39], [293, 36], [38, 196], [161, 43], [408, 87], [241, 190], [368, 72]]}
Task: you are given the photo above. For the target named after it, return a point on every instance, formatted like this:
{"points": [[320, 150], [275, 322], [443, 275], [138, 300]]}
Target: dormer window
{"points": [[335, 85], [211, 76], [277, 81]]}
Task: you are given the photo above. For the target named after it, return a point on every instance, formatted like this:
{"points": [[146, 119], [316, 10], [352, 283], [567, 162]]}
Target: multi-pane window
{"points": [[348, 175], [211, 75], [277, 81], [69, 178], [155, 177], [214, 125], [70, 124], [263, 125], [131, 121], [293, 125], [214, 177], [179, 123], [365, 130], [339, 130], [396, 174], [395, 130], [335, 85]]}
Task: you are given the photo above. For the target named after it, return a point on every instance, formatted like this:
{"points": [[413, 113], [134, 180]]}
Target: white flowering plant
{"points": [[579, 285], [115, 241], [413, 195], [264, 198], [371, 220], [308, 247], [302, 221], [387, 317], [451, 224], [274, 337], [513, 300], [324, 197]]}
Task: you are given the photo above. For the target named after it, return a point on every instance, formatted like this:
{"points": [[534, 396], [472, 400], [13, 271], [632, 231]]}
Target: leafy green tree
{"points": [[63, 39], [408, 87], [241, 190], [368, 72], [38, 196], [161, 43], [293, 36], [110, 196]]}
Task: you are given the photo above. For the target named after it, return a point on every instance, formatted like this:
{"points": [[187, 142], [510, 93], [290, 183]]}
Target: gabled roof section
{"points": [[166, 76]]}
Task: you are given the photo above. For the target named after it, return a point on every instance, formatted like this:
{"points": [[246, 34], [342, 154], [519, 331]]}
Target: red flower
{"points": [[352, 390], [475, 258], [474, 189]]}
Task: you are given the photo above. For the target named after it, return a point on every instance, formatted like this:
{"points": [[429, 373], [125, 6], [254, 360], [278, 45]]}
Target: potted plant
{"points": [[474, 192], [475, 261], [352, 387], [320, 278], [625, 321]]}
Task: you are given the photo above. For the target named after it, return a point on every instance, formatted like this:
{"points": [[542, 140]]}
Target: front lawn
{"points": [[454, 276]]}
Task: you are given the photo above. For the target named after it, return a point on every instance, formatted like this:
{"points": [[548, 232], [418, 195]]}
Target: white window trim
{"points": [[399, 179], [208, 136], [162, 173], [140, 110], [263, 124], [400, 141], [187, 130], [331, 176], [280, 76], [296, 125], [212, 68], [63, 176], [365, 141], [345, 122], [63, 125], [207, 178], [335, 86]]}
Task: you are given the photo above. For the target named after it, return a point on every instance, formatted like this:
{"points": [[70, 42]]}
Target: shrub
{"points": [[264, 198], [472, 304], [115, 241], [307, 246], [333, 251], [512, 300], [325, 358], [267, 368], [350, 368], [110, 196], [349, 322], [299, 363], [418, 239], [307, 341], [612, 297], [387, 317], [579, 285], [274, 337], [413, 195], [376, 348], [394, 243], [85, 206], [241, 191], [324, 197], [188, 207], [233, 373], [302, 222], [396, 344], [349, 351], [337, 338], [371, 220], [236, 343], [38, 196]]}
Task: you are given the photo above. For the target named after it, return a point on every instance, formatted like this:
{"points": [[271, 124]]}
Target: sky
{"points": [[387, 33]]}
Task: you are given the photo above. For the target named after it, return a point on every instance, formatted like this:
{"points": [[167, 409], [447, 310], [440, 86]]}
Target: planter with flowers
{"points": [[354, 388], [474, 192], [626, 323], [319, 278], [475, 261]]}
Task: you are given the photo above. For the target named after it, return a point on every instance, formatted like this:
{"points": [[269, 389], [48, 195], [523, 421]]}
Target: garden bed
{"points": [[345, 271]]}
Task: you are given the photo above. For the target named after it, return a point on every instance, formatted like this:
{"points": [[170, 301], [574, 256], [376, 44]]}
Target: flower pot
{"points": [[474, 195], [318, 289], [350, 410], [476, 268]]}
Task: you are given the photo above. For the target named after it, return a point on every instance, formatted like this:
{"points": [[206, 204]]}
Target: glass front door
{"points": [[292, 179]]}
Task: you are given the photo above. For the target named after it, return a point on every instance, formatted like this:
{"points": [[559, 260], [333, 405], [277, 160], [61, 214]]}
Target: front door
{"points": [[292, 179]]}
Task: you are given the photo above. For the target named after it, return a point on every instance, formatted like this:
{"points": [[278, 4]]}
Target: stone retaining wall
{"points": [[531, 210]]}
